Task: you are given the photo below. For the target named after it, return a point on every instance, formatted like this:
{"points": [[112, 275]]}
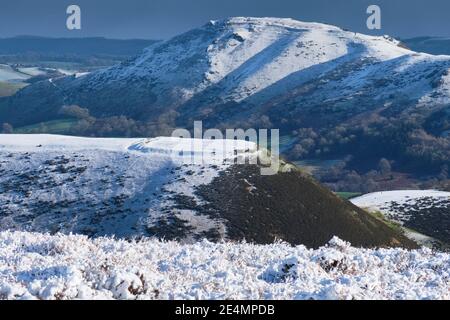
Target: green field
{"points": [[348, 195], [8, 89], [53, 127]]}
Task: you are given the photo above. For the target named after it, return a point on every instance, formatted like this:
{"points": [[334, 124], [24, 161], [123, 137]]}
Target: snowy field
{"points": [[9, 74], [39, 266]]}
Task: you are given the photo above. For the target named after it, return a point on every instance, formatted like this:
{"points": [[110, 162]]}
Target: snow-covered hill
{"points": [[247, 56], [105, 186], [38, 266], [228, 70], [426, 211], [256, 59], [171, 188]]}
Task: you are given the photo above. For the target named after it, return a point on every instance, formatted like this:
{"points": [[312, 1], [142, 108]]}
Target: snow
{"points": [[81, 74], [29, 142], [67, 72], [166, 146], [206, 148], [33, 71], [41, 266], [9, 74]]}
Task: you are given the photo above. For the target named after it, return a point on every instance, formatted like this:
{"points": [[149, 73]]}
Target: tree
{"points": [[264, 122], [7, 128], [384, 166], [298, 151], [369, 186], [75, 111], [443, 175]]}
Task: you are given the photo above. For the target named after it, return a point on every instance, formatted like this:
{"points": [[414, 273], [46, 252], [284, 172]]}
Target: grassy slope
{"points": [[348, 195], [294, 208]]}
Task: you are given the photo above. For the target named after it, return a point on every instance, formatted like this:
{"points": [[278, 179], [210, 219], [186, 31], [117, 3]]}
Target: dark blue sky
{"points": [[159, 19]]}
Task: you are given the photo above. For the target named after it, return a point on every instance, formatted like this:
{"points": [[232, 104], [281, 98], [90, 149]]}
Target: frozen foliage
{"points": [[40, 266]]}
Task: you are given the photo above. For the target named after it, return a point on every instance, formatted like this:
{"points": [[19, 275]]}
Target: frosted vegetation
{"points": [[40, 266]]}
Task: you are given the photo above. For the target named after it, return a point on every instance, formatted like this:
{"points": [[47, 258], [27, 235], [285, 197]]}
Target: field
{"points": [[313, 165], [348, 195], [8, 89], [52, 127], [8, 73]]}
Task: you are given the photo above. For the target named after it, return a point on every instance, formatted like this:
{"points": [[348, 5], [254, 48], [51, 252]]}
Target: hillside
{"points": [[131, 188]]}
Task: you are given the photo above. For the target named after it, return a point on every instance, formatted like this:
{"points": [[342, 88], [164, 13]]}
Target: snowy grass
{"points": [[40, 266]]}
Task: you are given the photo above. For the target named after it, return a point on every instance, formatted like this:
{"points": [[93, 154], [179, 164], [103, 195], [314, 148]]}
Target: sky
{"points": [[161, 19]]}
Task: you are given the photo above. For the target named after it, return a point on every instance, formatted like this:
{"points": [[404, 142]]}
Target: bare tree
{"points": [[7, 128], [75, 111], [384, 166]]}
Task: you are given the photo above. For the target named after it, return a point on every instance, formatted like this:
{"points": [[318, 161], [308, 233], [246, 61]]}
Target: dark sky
{"points": [[159, 19]]}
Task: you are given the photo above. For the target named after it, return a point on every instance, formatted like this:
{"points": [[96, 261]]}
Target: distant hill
{"points": [[432, 45], [68, 53], [75, 46]]}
